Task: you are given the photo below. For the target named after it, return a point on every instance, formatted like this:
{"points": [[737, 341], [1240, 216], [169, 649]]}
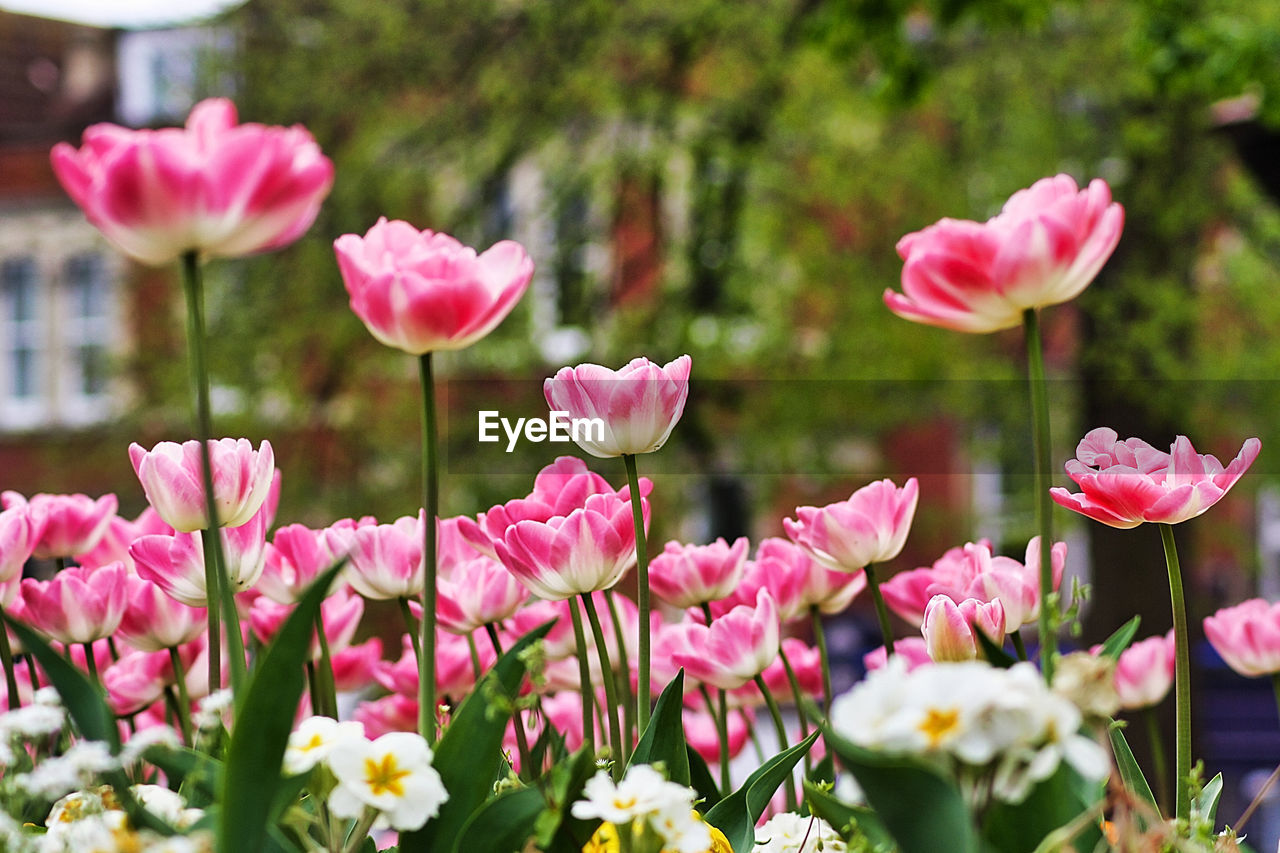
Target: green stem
{"points": [[610, 689], [522, 742], [1019, 646], [1182, 675], [799, 699], [1044, 503], [792, 803], [882, 612], [642, 593], [820, 640], [184, 700], [622, 677], [324, 673], [431, 509], [475, 657], [218, 590], [722, 731], [412, 628], [6, 660], [360, 832], [584, 677], [91, 664], [1158, 758], [313, 689]]}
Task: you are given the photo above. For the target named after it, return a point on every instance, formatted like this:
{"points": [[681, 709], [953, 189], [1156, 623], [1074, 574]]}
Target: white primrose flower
{"points": [[36, 720], [166, 805], [792, 833], [644, 794], [392, 774], [314, 739], [75, 768]]}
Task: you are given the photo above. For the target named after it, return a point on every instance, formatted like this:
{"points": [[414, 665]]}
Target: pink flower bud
{"points": [[1247, 636], [171, 477], [870, 527], [1144, 672], [386, 559], [637, 406], [17, 541], [690, 575], [176, 563], [78, 605], [483, 593], [154, 621], [913, 650], [736, 647], [65, 525], [949, 628]]}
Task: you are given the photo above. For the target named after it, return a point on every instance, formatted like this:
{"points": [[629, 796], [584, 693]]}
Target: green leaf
{"points": [[1130, 772], [1052, 804], [845, 819], [663, 738], [504, 823], [700, 778], [922, 810], [468, 756], [1205, 806], [198, 776], [558, 829], [1120, 640], [995, 655], [736, 814], [824, 770], [264, 719], [82, 698]]}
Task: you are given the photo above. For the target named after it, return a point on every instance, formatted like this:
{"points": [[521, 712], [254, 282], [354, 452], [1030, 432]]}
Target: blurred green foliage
{"points": [[787, 145]]}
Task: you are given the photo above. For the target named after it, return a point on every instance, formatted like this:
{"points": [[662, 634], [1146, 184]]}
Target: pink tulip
{"points": [[354, 666], [421, 291], [870, 527], [294, 558], [481, 592], [339, 613], [17, 541], [386, 559], [670, 639], [908, 593], [782, 568], [78, 605], [1124, 483], [215, 187], [701, 734], [1046, 246], [691, 575], [829, 591], [637, 406], [805, 660], [949, 628], [736, 647], [136, 680], [558, 489], [66, 525], [589, 549], [176, 563], [171, 477], [154, 621], [913, 650], [558, 643], [1144, 672], [394, 713], [1247, 636]]}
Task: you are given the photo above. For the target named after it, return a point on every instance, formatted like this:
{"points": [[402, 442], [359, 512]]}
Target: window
{"points": [[21, 364], [86, 335]]}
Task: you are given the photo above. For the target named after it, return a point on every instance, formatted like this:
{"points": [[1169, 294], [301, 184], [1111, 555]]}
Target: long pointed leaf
{"points": [[1120, 640], [264, 719], [736, 814], [846, 819], [700, 778], [663, 739], [504, 823], [1130, 772]]}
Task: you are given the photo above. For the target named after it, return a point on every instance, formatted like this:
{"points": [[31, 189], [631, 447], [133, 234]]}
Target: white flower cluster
{"points": [[1003, 723], [392, 775], [90, 821], [792, 833], [645, 795]]}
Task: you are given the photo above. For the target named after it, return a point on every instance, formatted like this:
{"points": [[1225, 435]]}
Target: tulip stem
{"points": [[781, 729], [882, 612], [184, 699], [475, 656], [431, 509], [1044, 503], [527, 769], [218, 592], [6, 659], [722, 731], [584, 679], [610, 688], [411, 628], [820, 640], [642, 593], [324, 673], [1161, 764], [623, 679], [91, 664], [1019, 646], [798, 695], [1182, 675]]}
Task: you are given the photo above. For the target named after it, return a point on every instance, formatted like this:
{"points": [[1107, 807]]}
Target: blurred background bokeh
{"points": [[726, 179]]}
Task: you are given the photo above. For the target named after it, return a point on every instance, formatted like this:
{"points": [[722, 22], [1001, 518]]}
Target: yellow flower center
{"points": [[385, 776], [623, 803], [315, 743], [938, 724]]}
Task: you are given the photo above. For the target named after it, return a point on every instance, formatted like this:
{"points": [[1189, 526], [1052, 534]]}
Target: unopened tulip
{"points": [[1144, 672], [736, 647], [172, 479], [869, 527], [949, 628], [176, 563], [154, 621], [214, 187], [1247, 636], [17, 541], [637, 406], [385, 560], [423, 291], [1045, 247], [482, 592], [691, 575], [1125, 483]]}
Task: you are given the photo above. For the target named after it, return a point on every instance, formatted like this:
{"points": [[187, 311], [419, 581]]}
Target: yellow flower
{"points": [[605, 840]]}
